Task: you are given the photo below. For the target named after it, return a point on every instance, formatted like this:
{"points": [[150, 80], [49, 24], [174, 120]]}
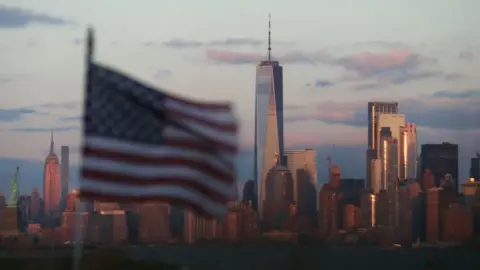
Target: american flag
{"points": [[142, 144]]}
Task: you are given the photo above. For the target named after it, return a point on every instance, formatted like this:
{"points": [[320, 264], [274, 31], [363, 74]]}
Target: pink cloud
{"points": [[378, 61], [232, 57], [328, 111], [454, 110], [395, 66], [237, 58]]}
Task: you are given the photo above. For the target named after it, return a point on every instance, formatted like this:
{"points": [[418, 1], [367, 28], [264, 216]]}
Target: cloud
{"points": [[237, 42], [466, 56], [396, 66], [161, 74], [182, 44], [39, 130], [239, 58], [453, 76], [450, 110], [331, 112], [70, 118], [150, 44], [78, 41], [10, 115], [60, 105], [393, 67], [321, 83], [6, 78], [383, 44], [228, 42], [369, 86], [233, 58], [474, 93], [14, 17], [292, 107]]}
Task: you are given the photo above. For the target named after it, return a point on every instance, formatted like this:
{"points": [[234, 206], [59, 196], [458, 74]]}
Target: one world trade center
{"points": [[269, 145]]}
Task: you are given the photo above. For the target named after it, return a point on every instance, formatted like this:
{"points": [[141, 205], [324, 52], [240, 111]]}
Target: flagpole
{"points": [[78, 244]]}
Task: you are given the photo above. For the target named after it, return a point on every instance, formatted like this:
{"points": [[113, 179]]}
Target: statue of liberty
{"points": [[15, 193]]}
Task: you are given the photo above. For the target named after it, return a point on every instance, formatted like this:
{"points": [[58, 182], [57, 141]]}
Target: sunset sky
{"points": [[337, 55]]}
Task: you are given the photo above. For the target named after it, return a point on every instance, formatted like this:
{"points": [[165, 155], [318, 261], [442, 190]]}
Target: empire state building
{"points": [[51, 182]]}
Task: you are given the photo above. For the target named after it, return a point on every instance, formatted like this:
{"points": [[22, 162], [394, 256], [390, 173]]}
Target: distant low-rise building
{"points": [[198, 228], [240, 222], [154, 222], [438, 200], [70, 222], [351, 217], [34, 228], [107, 227]]}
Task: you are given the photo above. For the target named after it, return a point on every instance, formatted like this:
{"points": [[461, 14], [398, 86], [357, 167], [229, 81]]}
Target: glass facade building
{"points": [[269, 140]]}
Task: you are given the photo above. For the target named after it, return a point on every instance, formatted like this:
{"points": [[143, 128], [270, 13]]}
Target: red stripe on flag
{"points": [[122, 179], [200, 165], [204, 105], [210, 123]]}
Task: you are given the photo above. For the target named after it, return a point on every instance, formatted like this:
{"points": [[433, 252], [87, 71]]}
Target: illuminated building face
{"points": [[269, 145], [51, 182]]}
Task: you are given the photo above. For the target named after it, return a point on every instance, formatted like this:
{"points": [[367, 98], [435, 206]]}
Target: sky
{"points": [[337, 56]]}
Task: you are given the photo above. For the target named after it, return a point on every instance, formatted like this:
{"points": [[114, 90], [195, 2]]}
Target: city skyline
{"points": [[332, 68]]}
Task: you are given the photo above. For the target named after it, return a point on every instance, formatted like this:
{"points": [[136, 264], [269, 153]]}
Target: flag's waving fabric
{"points": [[142, 144]]}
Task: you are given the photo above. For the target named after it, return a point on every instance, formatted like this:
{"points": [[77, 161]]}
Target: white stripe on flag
{"points": [[224, 137], [159, 151], [221, 117], [138, 172]]}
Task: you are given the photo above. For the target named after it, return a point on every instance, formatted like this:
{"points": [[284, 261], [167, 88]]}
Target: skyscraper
{"points": [[249, 193], [389, 155], [303, 165], [475, 167], [64, 151], [389, 158], [375, 108], [409, 151], [395, 123], [441, 159], [269, 146], [51, 182], [376, 175], [35, 205], [278, 197]]}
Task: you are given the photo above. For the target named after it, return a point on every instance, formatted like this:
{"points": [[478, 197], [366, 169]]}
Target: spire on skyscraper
{"points": [[51, 143], [269, 37]]}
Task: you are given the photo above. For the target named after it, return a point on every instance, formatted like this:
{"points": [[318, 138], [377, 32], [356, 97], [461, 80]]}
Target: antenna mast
{"points": [[329, 159], [269, 37]]}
